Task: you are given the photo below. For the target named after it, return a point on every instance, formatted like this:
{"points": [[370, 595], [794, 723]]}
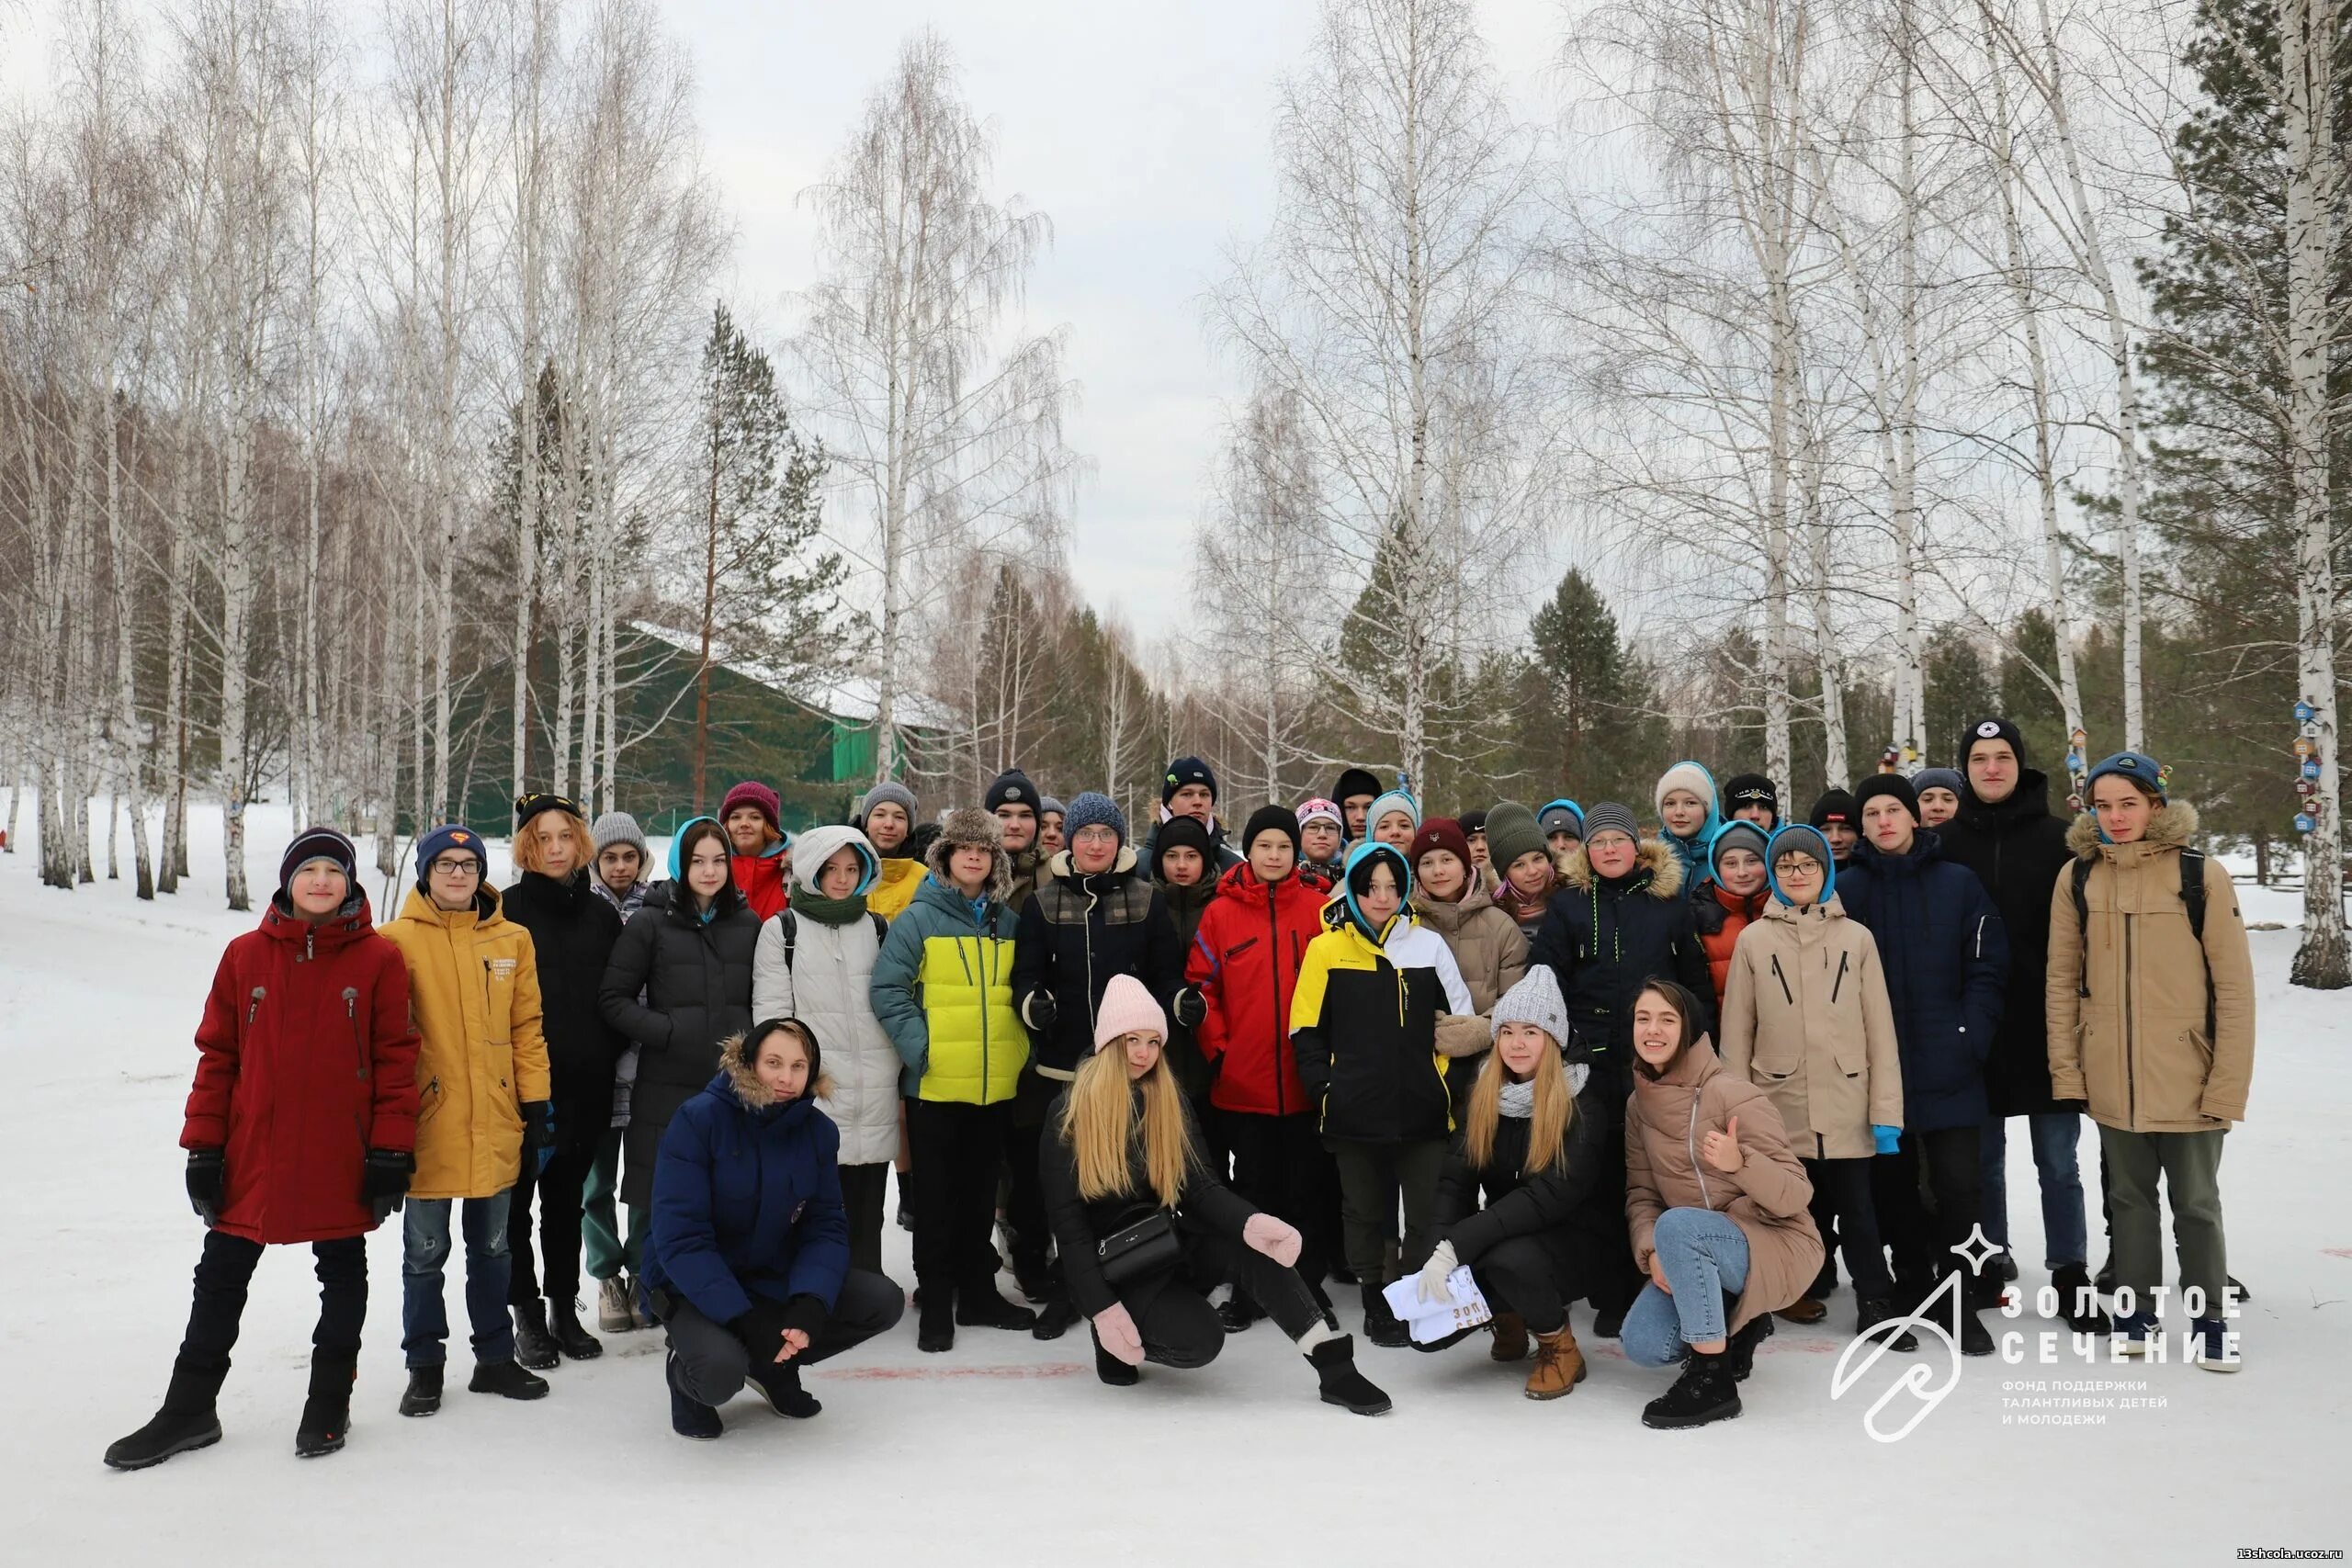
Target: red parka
{"points": [[761, 879], [308, 1060], [1245, 962]]}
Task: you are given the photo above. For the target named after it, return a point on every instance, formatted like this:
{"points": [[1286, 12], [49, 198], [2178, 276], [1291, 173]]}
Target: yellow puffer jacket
{"points": [[894, 888], [474, 991]]}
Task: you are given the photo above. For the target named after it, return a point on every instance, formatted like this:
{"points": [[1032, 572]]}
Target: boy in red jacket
{"points": [[301, 1126], [1239, 976]]}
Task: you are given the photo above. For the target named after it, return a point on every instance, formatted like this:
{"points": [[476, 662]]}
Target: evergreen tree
{"points": [[1596, 730]]}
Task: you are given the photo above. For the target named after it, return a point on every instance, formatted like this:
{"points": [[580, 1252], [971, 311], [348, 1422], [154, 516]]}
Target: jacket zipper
{"points": [[1839, 984], [2130, 1032], [351, 1016], [1787, 995], [1088, 927], [1275, 991], [259, 992]]}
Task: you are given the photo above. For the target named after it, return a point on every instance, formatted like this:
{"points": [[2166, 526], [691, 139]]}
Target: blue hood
{"points": [[678, 872], [1362, 854], [1818, 841]]}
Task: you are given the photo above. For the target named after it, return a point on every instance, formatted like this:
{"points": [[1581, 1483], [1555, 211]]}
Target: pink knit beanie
{"points": [[1127, 1009]]}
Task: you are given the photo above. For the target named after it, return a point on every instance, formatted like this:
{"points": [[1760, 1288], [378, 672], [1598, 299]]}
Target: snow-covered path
{"points": [[1009, 1450]]}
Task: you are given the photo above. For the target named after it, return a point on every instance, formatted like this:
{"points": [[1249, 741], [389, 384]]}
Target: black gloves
{"points": [[762, 1328], [386, 1181], [539, 1134], [205, 1176], [1190, 1007], [1040, 1011]]}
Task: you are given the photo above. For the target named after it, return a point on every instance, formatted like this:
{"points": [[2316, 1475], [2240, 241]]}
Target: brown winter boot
{"points": [[1559, 1365], [1805, 1309], [1510, 1337]]}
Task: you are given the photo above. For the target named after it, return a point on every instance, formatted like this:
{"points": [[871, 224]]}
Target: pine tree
{"points": [[1598, 738]]}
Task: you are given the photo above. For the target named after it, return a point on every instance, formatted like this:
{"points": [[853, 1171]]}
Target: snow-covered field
{"points": [[1007, 1449]]}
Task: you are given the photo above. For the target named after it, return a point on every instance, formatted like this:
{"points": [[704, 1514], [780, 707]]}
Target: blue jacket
{"points": [[1947, 961], [747, 1200]]}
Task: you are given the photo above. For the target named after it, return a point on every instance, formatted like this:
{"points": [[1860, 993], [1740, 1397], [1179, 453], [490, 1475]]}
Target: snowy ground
{"points": [[1008, 1450]]}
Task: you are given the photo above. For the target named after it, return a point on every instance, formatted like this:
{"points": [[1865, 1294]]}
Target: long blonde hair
{"points": [[1099, 1124], [1547, 1130]]}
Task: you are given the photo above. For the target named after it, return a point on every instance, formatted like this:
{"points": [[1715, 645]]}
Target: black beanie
{"points": [[1991, 729], [1010, 788], [1278, 819], [1354, 781], [1181, 832], [1836, 806], [1186, 770], [1877, 785], [317, 844], [1750, 789], [1472, 823]]}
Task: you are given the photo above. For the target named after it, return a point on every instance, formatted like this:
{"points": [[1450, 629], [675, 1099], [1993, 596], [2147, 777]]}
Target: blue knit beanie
{"points": [[1094, 809], [2137, 766], [448, 836]]}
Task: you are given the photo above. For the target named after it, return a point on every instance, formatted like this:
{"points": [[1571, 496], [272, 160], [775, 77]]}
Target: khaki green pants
{"points": [[2189, 1165]]}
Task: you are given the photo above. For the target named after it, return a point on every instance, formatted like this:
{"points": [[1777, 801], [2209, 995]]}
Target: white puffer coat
{"points": [[824, 985]]}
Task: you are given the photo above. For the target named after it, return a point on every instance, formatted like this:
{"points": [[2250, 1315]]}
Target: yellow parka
{"points": [[894, 887], [474, 991]]}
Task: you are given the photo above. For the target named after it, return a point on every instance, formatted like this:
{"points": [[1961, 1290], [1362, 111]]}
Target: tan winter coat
{"points": [[1766, 1198], [1490, 951], [2135, 1048], [1805, 1017]]}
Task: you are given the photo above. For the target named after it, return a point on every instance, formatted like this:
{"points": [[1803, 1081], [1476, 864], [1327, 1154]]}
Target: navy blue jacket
{"points": [[1947, 960], [747, 1201]]}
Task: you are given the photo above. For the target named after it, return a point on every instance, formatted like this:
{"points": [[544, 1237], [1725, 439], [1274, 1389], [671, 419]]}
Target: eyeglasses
{"points": [[1797, 865], [457, 865]]}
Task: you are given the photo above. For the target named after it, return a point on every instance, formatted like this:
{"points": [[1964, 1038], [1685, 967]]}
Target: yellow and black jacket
{"points": [[1364, 1027]]}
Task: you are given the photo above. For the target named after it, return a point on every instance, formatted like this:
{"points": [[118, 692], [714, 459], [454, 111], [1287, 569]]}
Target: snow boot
{"points": [[1112, 1369], [326, 1414], [1975, 1340], [564, 1327], [534, 1346], [2077, 1302], [690, 1418], [779, 1384], [1056, 1320], [1559, 1365], [1239, 1312], [614, 1313], [1380, 1325], [507, 1380], [1740, 1354], [1871, 1311], [423, 1396], [978, 1306], [1340, 1383], [1706, 1392], [1805, 1309], [187, 1422], [1510, 1337], [2209, 1346], [935, 1326], [1608, 1321], [2005, 1268]]}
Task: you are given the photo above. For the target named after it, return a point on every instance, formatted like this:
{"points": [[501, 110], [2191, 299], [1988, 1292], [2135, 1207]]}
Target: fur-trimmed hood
{"points": [[970, 825], [1653, 855], [2170, 828], [744, 1083]]}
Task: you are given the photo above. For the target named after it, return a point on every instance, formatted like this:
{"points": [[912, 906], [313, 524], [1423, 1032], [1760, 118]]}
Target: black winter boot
{"points": [[2077, 1302], [779, 1384], [935, 1328], [1380, 1325], [534, 1346], [1706, 1392], [185, 1422], [1608, 1321], [326, 1414], [1871, 1311], [569, 1335], [1112, 1369], [423, 1396], [1741, 1352], [1237, 1312], [1058, 1319], [1034, 1276], [690, 1418], [507, 1380], [1340, 1383], [978, 1306]]}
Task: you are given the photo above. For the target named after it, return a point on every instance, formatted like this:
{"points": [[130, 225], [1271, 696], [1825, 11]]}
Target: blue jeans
{"points": [[424, 1248], [2063, 1229], [1703, 1255]]}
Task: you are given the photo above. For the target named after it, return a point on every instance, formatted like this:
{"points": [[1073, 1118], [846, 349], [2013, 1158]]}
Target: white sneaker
{"points": [[613, 1313]]}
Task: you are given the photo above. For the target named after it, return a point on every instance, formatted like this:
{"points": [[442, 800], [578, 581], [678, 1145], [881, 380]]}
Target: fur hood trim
{"points": [[745, 1082], [1664, 865], [2172, 826]]}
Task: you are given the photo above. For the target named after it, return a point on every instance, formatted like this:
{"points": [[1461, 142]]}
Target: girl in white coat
{"points": [[814, 963]]}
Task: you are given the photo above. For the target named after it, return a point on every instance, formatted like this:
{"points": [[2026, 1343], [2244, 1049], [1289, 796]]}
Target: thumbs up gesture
{"points": [[1721, 1149]]}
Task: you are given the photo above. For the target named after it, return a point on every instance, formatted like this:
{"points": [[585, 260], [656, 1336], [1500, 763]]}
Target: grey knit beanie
{"points": [[1605, 816], [619, 827], [1091, 810], [1535, 999], [893, 791]]}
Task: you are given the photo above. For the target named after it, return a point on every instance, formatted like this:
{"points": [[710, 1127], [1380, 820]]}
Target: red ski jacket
{"points": [[1244, 962]]}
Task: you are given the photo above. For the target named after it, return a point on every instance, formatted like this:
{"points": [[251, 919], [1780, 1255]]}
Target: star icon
{"points": [[1977, 1251]]}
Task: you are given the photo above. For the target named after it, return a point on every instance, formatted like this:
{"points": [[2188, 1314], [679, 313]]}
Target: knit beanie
{"points": [[1352, 782], [1559, 815], [319, 843], [1936, 778], [1536, 1000], [1440, 833], [1185, 771], [1991, 729], [1751, 789], [1317, 809], [529, 806], [1736, 834], [1182, 832], [1048, 806], [2138, 766], [1511, 831], [1392, 800], [1895, 785], [619, 827], [1274, 818], [439, 841], [1685, 776], [1127, 1009], [1093, 809], [897, 793], [1608, 816], [1010, 788], [1834, 806], [1802, 839], [750, 792], [1472, 823]]}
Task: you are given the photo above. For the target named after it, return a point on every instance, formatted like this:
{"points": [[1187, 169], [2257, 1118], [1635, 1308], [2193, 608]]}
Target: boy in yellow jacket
{"points": [[483, 1110]]}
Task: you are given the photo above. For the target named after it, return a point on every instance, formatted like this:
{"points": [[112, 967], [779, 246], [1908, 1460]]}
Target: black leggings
{"points": [[1522, 1275], [561, 1191], [863, 1187], [222, 1276], [1178, 1326]]}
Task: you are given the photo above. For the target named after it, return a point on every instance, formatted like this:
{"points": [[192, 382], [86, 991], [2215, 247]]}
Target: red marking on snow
{"points": [[944, 1375], [2337, 1251]]}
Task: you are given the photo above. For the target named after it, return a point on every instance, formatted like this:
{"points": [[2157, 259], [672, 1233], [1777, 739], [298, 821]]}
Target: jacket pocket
{"points": [[428, 1103]]}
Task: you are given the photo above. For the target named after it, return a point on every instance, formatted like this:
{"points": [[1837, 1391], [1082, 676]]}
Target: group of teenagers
{"points": [[1518, 1059]]}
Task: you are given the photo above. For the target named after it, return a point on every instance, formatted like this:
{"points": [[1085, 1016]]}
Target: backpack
{"points": [[791, 929], [2192, 899]]}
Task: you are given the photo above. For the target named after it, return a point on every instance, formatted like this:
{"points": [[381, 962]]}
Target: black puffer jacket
{"points": [[2017, 849], [1076, 932], [1206, 1209], [572, 934], [1603, 937], [1575, 1209], [695, 976]]}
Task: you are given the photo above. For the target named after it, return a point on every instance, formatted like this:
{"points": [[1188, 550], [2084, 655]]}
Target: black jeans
{"points": [[1522, 1275], [959, 1152], [1178, 1326], [1841, 1195], [1932, 1198], [713, 1364], [222, 1276], [1281, 1166], [1024, 1194], [561, 1191], [863, 1189], [1368, 1202]]}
